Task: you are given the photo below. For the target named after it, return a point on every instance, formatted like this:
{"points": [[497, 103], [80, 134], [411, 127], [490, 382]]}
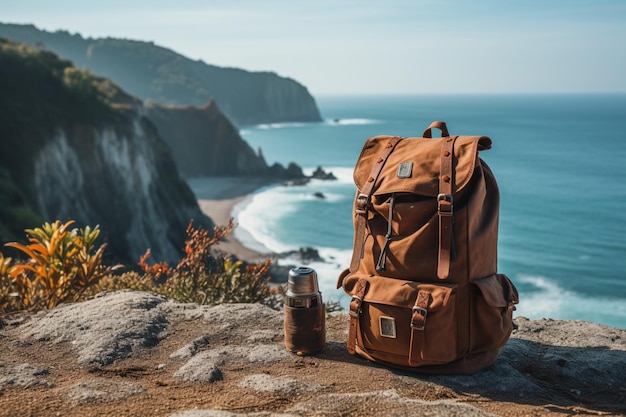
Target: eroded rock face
{"points": [[235, 354], [122, 178], [204, 142]]}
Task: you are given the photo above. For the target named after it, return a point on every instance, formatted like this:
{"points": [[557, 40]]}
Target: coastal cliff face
{"points": [[162, 76], [204, 142], [122, 180], [78, 147]]}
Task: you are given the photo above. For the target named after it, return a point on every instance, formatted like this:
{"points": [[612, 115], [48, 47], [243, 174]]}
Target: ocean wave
{"points": [[257, 215], [345, 122], [282, 125], [547, 299]]}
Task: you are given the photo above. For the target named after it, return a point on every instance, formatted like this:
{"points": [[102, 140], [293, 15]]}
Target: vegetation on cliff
{"points": [[75, 145], [40, 93], [63, 265], [163, 76]]}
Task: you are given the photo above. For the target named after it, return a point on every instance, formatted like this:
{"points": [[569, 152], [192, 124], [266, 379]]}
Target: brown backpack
{"points": [[426, 295]]}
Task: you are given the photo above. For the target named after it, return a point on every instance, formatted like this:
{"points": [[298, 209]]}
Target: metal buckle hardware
{"points": [[447, 198], [355, 313], [362, 202], [423, 312]]}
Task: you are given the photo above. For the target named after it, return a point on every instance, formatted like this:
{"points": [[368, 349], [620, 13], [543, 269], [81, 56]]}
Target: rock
{"points": [[234, 355], [319, 195], [105, 329], [23, 375], [190, 349], [320, 174], [198, 369], [102, 390], [304, 255]]}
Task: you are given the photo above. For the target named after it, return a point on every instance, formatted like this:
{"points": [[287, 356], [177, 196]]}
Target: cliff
{"points": [[204, 142], [162, 76], [76, 146], [135, 353]]}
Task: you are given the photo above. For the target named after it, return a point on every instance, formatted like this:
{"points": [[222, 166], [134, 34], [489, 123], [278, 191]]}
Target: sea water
{"points": [[560, 162]]}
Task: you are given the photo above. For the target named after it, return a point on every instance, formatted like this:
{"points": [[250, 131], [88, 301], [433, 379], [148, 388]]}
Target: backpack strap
{"points": [[445, 208], [363, 200], [355, 312], [418, 321]]}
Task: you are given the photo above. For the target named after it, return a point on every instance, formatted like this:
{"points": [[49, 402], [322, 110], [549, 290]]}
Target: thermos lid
{"points": [[302, 282]]}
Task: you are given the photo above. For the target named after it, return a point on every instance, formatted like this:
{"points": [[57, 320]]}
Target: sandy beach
{"points": [[217, 196]]}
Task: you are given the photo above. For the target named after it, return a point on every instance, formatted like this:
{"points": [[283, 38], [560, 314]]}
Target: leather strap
{"points": [[355, 312], [418, 322], [445, 207], [363, 201], [436, 125]]}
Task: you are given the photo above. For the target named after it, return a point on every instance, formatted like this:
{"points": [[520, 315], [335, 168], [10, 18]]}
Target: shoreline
{"points": [[217, 197]]}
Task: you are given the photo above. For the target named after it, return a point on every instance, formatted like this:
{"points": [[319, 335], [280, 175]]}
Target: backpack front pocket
{"points": [[408, 323]]}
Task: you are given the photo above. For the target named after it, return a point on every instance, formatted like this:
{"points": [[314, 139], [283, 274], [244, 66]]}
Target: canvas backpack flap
{"points": [[411, 174], [406, 323], [414, 165]]}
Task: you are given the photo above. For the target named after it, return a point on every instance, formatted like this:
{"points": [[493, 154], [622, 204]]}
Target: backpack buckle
{"points": [[441, 200], [418, 320], [362, 202], [355, 307]]}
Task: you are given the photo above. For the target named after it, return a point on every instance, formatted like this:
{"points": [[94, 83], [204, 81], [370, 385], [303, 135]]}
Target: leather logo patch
{"points": [[387, 326], [405, 169]]}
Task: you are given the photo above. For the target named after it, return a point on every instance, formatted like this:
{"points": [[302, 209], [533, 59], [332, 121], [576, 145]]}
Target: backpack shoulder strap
{"points": [[363, 200], [445, 208]]}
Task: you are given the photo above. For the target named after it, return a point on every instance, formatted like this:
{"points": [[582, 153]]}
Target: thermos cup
{"points": [[305, 313]]}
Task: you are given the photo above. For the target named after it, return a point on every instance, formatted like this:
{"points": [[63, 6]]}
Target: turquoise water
{"points": [[559, 161]]}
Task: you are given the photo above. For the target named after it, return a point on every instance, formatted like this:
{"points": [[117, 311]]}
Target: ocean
{"points": [[560, 162]]}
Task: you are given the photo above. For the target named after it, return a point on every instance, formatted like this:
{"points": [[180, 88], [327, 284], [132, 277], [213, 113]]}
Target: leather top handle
{"points": [[436, 125]]}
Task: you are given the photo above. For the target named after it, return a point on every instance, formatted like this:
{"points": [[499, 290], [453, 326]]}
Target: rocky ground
{"points": [[137, 354]]}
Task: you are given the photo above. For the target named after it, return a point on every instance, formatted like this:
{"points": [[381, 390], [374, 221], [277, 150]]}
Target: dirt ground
{"points": [[159, 393]]}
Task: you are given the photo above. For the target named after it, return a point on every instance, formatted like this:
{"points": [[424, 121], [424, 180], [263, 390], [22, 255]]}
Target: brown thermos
{"points": [[305, 313]]}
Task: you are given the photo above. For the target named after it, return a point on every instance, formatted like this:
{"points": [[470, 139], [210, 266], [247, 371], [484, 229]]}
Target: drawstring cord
{"points": [[381, 264]]}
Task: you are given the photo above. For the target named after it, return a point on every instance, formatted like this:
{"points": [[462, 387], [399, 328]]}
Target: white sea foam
{"points": [[261, 216], [257, 217], [548, 299], [282, 125], [351, 121]]}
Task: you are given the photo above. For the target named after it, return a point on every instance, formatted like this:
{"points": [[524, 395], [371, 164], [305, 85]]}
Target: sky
{"points": [[342, 47]]}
